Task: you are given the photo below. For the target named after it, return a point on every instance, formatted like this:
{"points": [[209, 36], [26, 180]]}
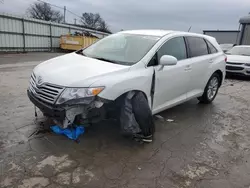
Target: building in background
{"points": [[244, 38], [224, 36]]}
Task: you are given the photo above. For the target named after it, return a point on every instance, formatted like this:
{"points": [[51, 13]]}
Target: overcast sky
{"points": [[150, 14]]}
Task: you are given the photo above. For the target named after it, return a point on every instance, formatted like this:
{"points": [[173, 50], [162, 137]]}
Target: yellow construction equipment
{"points": [[69, 42]]}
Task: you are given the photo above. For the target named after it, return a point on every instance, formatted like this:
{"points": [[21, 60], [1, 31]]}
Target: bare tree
{"points": [[43, 11], [103, 26], [90, 20], [94, 21]]}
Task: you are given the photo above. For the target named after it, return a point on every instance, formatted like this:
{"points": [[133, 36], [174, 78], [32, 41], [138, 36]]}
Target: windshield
{"points": [[121, 48], [239, 50]]}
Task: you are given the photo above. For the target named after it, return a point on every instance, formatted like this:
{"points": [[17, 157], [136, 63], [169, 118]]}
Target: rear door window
{"points": [[197, 46]]}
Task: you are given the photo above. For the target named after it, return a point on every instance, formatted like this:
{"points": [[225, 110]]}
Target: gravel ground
{"points": [[205, 146]]}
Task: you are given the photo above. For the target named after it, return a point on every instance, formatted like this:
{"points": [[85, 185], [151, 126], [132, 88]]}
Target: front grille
{"points": [[45, 92], [232, 63], [234, 68]]}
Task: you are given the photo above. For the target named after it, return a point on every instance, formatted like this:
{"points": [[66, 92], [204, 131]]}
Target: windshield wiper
{"points": [[112, 61], [104, 59], [245, 54], [80, 52]]}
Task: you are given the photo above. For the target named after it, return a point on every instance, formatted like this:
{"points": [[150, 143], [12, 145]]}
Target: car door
{"points": [[171, 82], [199, 65]]}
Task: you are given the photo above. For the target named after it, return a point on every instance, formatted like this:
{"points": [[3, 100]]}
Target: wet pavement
{"points": [[205, 146]]}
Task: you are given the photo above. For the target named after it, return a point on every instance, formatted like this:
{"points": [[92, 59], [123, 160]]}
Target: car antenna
{"points": [[189, 28]]}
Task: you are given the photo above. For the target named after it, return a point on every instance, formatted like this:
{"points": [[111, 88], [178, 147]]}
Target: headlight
{"points": [[78, 93]]}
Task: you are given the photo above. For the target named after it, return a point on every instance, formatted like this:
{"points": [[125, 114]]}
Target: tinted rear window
{"points": [[197, 46]]}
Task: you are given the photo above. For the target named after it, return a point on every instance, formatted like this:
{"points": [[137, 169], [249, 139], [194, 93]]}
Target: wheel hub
{"points": [[212, 88]]}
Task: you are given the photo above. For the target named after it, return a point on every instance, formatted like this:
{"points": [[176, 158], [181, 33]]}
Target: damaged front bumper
{"points": [[52, 111], [65, 115]]}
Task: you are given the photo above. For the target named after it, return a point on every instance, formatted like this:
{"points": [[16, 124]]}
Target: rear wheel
{"points": [[211, 89]]}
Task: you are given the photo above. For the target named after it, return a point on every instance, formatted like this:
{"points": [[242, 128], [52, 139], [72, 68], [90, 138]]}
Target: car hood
{"points": [[238, 59], [74, 70]]}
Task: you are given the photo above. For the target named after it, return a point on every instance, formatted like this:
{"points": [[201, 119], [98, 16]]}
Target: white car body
{"points": [[239, 64], [172, 84]]}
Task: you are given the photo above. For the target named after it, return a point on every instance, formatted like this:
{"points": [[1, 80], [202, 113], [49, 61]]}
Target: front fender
{"points": [[116, 85]]}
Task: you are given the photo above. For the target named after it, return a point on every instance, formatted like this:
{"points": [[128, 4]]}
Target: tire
{"points": [[143, 114], [205, 97]]}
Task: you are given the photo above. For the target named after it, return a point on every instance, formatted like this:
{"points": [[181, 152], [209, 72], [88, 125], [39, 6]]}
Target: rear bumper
{"points": [[49, 110]]}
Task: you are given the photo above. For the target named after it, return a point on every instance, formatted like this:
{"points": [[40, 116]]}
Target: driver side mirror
{"points": [[168, 60]]}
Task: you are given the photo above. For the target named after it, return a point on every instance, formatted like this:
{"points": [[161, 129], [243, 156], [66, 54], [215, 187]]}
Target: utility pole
{"points": [[64, 15], [75, 21]]}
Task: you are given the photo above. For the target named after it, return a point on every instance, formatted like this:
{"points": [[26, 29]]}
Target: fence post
{"points": [[50, 31], [24, 44]]}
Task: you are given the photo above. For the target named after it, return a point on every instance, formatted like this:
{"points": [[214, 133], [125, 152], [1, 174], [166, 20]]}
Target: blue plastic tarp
{"points": [[72, 133]]}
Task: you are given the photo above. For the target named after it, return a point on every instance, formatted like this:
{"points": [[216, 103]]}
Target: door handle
{"points": [[210, 61], [187, 68]]}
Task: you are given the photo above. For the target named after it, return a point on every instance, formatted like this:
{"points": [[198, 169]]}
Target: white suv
{"points": [[167, 67]]}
